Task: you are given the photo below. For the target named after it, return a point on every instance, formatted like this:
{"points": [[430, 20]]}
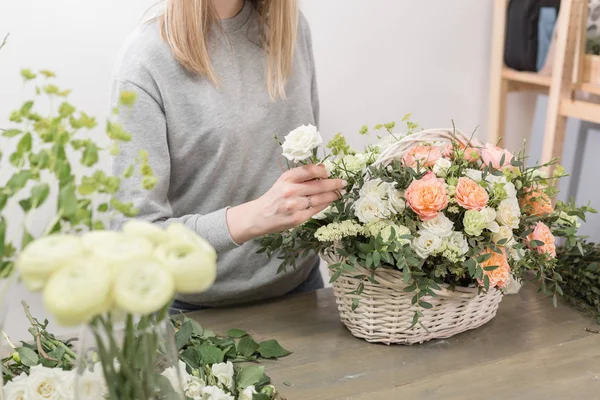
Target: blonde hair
{"points": [[186, 25]]}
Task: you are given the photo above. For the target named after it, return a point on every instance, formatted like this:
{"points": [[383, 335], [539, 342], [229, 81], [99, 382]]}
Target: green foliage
{"points": [[50, 149], [338, 145]]}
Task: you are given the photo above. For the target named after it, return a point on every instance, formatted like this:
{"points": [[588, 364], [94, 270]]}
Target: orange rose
{"points": [[470, 195], [501, 275], [542, 233], [425, 156], [427, 196], [536, 202]]}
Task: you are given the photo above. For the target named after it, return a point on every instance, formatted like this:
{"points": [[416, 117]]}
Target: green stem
{"points": [[106, 361]]}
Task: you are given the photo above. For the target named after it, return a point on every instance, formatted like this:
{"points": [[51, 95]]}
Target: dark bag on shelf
{"points": [[521, 51]]}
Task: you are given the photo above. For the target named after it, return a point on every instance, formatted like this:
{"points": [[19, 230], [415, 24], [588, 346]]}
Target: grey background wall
{"points": [[376, 60]]}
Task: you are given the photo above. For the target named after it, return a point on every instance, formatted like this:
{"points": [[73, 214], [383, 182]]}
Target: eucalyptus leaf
{"points": [[29, 357]]}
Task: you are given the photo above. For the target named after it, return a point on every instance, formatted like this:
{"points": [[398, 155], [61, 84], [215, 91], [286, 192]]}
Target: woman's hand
{"points": [[297, 195]]}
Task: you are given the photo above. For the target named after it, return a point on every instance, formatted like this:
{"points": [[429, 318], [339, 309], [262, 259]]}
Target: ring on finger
{"points": [[310, 203]]}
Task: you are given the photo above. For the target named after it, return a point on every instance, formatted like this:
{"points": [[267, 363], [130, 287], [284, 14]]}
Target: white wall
{"points": [[376, 60]]}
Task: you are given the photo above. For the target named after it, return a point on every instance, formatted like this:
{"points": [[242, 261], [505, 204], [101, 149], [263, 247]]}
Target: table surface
{"points": [[529, 351]]}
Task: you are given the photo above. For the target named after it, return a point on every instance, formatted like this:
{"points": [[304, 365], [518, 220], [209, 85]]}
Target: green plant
{"points": [[57, 153]]}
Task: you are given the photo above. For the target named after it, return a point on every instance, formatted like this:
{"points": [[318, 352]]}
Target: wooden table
{"points": [[529, 351]]}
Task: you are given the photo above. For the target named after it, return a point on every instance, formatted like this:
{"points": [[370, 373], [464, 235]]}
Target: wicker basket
{"points": [[385, 311]]}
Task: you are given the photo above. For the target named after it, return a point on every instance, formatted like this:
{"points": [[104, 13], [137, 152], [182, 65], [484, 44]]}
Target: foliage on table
{"points": [[581, 274], [456, 214], [55, 155]]}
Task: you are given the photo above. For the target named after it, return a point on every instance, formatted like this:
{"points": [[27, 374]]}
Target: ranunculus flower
{"points": [[371, 208], [500, 277], [493, 154], [300, 143], [536, 202], [427, 196], [424, 156], [426, 243], [440, 225], [474, 222], [509, 213], [542, 233], [194, 269], [143, 286], [79, 291], [116, 248], [179, 233], [224, 374], [145, 229], [470, 195], [46, 255]]}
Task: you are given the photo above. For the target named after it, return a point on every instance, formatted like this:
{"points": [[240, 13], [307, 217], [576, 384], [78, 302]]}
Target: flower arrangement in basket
{"points": [[433, 227]]}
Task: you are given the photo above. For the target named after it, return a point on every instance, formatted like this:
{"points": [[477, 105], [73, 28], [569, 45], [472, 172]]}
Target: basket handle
{"points": [[401, 147]]}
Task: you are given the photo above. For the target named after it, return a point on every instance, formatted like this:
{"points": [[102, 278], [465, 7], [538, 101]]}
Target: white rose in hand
{"points": [[300, 143], [79, 291], [439, 226], [116, 248], [143, 286], [224, 374], [43, 257], [194, 268]]}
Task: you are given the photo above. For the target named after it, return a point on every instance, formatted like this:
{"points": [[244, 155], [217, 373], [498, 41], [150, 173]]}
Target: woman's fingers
{"points": [[306, 173], [325, 199], [321, 186]]}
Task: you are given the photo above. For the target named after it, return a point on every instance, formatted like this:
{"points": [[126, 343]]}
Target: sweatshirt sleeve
{"points": [[146, 123]]}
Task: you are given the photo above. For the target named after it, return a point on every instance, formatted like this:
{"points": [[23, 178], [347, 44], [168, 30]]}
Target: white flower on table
{"points": [[300, 143], [247, 393], [509, 213], [224, 373], [177, 376], [371, 208], [426, 243], [441, 167], [215, 393], [440, 226]]}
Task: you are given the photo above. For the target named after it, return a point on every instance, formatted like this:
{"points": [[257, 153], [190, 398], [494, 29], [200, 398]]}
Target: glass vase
{"points": [[133, 360]]}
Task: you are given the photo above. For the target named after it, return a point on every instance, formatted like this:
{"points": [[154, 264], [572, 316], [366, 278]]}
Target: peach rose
{"points": [[427, 196], [500, 277], [470, 195], [493, 154], [536, 202], [425, 156], [542, 233], [470, 154]]}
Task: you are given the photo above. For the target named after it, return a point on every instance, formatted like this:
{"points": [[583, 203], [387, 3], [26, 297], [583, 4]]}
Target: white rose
{"points": [[496, 179], [146, 230], [116, 248], [426, 243], [194, 387], [440, 226], [215, 393], [44, 256], [247, 393], [370, 208], [474, 174], [510, 189], [178, 376], [299, 143], [79, 291], [44, 383], [504, 232], [224, 373], [375, 187], [194, 269], [396, 200], [509, 213], [91, 385], [143, 286], [490, 216], [441, 167], [17, 388], [459, 240]]}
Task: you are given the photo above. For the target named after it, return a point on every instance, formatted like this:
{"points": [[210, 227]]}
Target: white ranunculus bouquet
{"points": [[442, 211]]}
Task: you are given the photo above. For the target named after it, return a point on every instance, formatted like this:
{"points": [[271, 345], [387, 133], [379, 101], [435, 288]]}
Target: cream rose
{"points": [[370, 208], [458, 240], [441, 167], [224, 374], [143, 286], [396, 200], [43, 257], [194, 269], [439, 226], [509, 213], [79, 291], [44, 383], [299, 143], [426, 243]]}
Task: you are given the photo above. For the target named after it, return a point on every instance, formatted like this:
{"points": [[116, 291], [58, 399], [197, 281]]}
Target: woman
{"points": [[215, 79]]}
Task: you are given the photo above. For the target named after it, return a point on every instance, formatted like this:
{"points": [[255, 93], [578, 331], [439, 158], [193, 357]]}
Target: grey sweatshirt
{"points": [[212, 147]]}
